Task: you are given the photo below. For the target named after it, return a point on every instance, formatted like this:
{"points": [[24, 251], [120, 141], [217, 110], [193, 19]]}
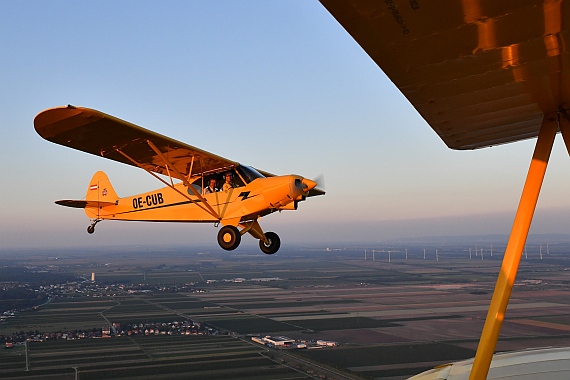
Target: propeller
{"points": [[308, 184], [319, 186], [320, 180]]}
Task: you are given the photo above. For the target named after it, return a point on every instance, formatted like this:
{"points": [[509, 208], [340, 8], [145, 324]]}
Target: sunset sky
{"points": [[279, 85]]}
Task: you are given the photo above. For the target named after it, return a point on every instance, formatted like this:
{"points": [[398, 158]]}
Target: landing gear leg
{"points": [[269, 242], [91, 227]]}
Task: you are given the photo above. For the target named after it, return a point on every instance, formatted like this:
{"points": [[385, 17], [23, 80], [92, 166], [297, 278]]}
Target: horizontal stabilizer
{"points": [[83, 204]]}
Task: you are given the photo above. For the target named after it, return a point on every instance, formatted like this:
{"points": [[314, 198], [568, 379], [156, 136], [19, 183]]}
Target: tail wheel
{"points": [[91, 227], [274, 243], [229, 238]]}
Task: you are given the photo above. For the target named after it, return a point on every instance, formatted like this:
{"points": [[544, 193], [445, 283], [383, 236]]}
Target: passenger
{"points": [[212, 187], [229, 184]]}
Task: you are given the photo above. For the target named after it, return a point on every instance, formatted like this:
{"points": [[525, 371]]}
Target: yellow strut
{"points": [[517, 240], [215, 215], [184, 180]]}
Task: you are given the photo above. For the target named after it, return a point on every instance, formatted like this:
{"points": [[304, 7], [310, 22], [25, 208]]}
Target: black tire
{"points": [[90, 229], [229, 238], [274, 243]]}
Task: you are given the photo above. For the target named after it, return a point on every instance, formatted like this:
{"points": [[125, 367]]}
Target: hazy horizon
{"points": [[460, 228]]}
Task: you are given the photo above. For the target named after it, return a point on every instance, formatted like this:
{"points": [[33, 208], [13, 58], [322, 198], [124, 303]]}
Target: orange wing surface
{"points": [[103, 135], [480, 72]]}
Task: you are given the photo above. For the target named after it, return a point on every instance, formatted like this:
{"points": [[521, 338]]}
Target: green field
{"points": [[389, 355], [195, 357], [250, 324], [61, 314]]}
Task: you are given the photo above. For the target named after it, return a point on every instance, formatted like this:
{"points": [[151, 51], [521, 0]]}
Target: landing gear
{"points": [[229, 238], [274, 243], [91, 227]]}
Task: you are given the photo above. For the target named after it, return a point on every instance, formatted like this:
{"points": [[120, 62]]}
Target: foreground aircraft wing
{"points": [[480, 72], [103, 135], [551, 363]]}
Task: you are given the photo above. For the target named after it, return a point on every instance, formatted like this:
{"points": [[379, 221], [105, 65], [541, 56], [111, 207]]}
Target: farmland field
{"points": [[147, 358], [390, 320]]}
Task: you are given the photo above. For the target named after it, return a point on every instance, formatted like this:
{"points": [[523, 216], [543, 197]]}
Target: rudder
{"points": [[100, 189]]}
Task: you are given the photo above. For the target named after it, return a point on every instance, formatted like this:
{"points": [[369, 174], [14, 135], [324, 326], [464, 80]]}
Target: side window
{"points": [[238, 182], [197, 185]]}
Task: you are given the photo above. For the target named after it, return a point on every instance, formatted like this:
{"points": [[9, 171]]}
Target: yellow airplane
{"points": [[481, 73], [210, 188]]}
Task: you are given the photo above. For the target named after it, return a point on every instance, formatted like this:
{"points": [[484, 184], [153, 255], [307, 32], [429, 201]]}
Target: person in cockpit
{"points": [[212, 187], [229, 184]]}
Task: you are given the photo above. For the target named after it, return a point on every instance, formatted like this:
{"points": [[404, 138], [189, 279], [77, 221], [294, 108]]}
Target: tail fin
{"points": [[100, 193], [100, 189]]}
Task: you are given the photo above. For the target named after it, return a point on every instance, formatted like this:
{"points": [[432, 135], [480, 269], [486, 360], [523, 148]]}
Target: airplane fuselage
{"points": [[177, 204]]}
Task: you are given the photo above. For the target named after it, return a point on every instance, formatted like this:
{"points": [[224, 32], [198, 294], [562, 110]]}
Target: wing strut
{"points": [[517, 240], [192, 189], [208, 208], [190, 170]]}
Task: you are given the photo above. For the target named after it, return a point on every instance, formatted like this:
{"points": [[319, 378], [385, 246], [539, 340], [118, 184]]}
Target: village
{"points": [[115, 330], [89, 288]]}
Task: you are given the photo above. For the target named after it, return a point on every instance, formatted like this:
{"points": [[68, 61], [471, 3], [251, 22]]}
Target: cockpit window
{"points": [[248, 173]]}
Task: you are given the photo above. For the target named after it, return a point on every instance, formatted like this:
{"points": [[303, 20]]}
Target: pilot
{"points": [[229, 184], [212, 187]]}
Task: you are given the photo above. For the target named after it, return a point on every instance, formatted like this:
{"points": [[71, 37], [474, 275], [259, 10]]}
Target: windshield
{"points": [[248, 173]]}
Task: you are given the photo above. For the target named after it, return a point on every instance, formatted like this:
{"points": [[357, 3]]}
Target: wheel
{"points": [[229, 238], [274, 243], [90, 229]]}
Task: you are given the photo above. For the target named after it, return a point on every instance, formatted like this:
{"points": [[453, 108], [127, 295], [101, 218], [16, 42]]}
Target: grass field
{"points": [[378, 356], [61, 314], [201, 357], [250, 324]]}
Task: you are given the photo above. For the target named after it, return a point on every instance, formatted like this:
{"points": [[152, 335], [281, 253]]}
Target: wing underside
{"points": [[103, 135], [480, 72]]}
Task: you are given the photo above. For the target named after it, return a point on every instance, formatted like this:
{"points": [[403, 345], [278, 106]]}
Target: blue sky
{"points": [[275, 84]]}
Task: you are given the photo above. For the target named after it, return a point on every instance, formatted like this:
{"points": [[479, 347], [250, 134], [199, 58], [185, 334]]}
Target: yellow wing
{"points": [[103, 135], [480, 72]]}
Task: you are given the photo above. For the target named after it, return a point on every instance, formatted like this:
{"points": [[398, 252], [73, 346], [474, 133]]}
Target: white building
{"points": [[278, 340], [257, 340], [327, 343]]}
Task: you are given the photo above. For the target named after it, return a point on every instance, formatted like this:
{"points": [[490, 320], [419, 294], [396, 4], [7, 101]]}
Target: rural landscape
{"points": [[347, 312]]}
